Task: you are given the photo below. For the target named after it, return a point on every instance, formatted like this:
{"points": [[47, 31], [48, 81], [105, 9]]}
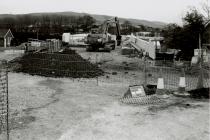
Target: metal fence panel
{"points": [[4, 101]]}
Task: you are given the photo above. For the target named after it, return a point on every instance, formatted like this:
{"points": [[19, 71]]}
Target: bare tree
{"points": [[206, 9]]}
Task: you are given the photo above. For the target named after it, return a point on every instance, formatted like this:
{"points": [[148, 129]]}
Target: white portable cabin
{"points": [[74, 38], [66, 37], [77, 39]]}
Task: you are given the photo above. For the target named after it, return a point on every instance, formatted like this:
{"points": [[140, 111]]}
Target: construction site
{"points": [[102, 86]]}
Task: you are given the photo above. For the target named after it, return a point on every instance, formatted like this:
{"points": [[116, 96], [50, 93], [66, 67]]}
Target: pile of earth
{"points": [[62, 64]]}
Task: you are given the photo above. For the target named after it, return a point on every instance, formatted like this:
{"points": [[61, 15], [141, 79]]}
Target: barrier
{"points": [[144, 100], [182, 85], [4, 102], [142, 45], [160, 84]]}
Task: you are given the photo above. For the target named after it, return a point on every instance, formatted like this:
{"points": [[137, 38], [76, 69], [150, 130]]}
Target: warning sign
{"points": [[137, 91]]}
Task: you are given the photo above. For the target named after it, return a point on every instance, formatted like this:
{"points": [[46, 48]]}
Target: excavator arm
{"points": [[105, 26]]}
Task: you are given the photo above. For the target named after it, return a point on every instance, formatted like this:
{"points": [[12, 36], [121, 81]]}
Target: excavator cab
{"points": [[100, 38]]}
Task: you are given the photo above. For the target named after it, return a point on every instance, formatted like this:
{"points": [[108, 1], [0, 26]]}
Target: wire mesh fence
{"points": [[171, 73], [148, 72], [4, 102], [101, 70], [123, 73]]}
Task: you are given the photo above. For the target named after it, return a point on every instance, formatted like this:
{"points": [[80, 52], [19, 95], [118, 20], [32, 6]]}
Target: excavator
{"points": [[101, 39]]}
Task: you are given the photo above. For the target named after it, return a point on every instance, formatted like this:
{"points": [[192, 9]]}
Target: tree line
{"points": [[27, 22], [186, 37], [53, 25], [45, 26]]}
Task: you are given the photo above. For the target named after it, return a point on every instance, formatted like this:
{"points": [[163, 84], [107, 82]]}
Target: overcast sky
{"points": [[154, 10]]}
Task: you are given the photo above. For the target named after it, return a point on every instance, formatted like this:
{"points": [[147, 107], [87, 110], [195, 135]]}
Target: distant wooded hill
{"points": [[52, 25], [98, 18]]}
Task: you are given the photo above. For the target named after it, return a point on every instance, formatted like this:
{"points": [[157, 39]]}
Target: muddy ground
{"points": [[44, 108]]}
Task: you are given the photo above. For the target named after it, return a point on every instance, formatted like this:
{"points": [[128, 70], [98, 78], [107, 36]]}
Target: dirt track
{"points": [[77, 109]]}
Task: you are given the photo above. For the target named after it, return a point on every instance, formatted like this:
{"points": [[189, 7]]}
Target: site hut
{"points": [[6, 37], [66, 37], [144, 34]]}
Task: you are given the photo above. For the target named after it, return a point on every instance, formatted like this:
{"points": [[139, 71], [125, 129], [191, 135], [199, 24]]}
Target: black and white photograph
{"points": [[104, 70]]}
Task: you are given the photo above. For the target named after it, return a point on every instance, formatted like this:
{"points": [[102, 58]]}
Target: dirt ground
{"points": [[9, 56], [77, 109]]}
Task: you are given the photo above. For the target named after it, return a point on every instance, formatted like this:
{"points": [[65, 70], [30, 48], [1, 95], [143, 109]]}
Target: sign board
{"points": [[137, 91], [197, 52]]}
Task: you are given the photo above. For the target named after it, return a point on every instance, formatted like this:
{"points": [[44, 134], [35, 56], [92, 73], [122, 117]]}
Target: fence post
{"points": [[96, 59], [96, 62], [7, 94], [97, 80], [200, 79], [145, 73]]}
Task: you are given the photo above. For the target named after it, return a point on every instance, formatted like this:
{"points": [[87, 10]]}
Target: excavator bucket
{"points": [[119, 38]]}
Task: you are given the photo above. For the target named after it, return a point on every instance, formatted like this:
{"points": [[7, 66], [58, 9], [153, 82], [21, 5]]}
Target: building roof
{"points": [[207, 23], [4, 32]]}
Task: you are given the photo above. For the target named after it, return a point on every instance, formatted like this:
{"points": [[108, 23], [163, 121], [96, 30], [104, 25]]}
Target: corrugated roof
{"points": [[3, 32]]}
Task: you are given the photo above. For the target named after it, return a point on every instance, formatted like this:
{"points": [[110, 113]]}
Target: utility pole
{"points": [[156, 40], [37, 34], [201, 74]]}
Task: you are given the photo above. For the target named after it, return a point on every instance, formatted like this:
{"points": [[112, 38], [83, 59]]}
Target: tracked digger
{"points": [[100, 39]]}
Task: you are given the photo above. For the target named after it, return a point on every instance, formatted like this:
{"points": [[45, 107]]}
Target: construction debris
{"points": [[142, 100], [51, 45], [142, 95], [200, 93]]}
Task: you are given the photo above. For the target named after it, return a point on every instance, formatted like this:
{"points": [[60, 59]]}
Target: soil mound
{"points": [[63, 64]]}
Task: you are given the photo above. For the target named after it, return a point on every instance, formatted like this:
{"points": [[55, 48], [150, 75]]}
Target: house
{"points": [[6, 37]]}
